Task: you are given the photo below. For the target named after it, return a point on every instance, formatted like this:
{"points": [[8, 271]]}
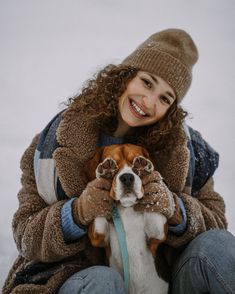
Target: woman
{"points": [[137, 101]]}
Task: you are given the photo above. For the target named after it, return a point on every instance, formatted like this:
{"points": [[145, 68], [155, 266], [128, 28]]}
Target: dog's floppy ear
{"points": [[91, 165], [145, 153]]}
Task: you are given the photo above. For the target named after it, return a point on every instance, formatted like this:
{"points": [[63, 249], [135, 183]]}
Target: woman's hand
{"points": [[158, 198], [93, 202]]}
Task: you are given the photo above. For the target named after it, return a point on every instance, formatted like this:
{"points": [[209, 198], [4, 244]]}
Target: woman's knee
{"points": [[214, 244], [217, 246], [209, 258], [96, 279]]}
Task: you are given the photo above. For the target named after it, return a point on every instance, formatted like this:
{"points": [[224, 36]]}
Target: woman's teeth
{"points": [[137, 109]]}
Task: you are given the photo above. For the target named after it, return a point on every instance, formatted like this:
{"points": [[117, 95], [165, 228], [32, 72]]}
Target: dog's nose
{"points": [[127, 179]]}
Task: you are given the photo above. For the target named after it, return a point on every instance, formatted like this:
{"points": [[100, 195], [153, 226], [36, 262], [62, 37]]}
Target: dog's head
{"points": [[125, 165]]}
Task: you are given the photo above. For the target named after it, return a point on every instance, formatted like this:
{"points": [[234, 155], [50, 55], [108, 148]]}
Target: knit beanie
{"points": [[169, 54]]}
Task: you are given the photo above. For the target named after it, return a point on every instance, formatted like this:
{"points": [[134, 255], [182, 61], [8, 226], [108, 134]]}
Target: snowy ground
{"points": [[49, 47]]}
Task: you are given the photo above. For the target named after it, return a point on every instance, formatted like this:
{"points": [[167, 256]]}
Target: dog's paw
{"points": [[154, 225], [98, 232], [106, 169], [142, 166]]}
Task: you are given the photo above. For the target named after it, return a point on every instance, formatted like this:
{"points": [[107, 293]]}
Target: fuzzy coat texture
{"points": [[45, 260]]}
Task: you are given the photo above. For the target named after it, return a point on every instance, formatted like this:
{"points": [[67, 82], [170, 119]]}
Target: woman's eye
{"points": [[165, 100], [147, 83]]}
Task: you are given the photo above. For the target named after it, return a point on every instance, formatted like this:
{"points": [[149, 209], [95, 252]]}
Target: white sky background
{"points": [[48, 48]]}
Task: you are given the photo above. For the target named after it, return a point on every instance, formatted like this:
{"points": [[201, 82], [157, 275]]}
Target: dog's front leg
{"points": [[98, 232], [155, 226]]}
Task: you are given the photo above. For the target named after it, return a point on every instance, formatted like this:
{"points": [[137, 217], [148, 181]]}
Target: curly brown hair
{"points": [[99, 100]]}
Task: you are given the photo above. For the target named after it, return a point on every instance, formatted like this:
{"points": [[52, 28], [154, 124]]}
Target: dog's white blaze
{"points": [[132, 197], [143, 276]]}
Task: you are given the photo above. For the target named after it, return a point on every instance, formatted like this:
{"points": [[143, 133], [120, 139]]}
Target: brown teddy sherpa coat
{"points": [[37, 226]]}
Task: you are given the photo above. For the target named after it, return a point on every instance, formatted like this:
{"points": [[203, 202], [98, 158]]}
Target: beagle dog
{"points": [[144, 231]]}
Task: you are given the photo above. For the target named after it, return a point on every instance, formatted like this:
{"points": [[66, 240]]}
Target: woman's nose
{"points": [[150, 101]]}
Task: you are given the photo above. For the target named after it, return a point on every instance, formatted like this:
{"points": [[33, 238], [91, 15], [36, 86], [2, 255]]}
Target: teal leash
{"points": [[122, 244]]}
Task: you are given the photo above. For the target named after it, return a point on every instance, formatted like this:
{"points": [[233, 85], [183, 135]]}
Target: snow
{"points": [[49, 48]]}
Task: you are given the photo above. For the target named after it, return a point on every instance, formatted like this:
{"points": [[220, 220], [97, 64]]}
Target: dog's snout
{"points": [[127, 179]]}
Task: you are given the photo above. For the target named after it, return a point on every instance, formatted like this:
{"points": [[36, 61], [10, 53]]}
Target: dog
{"points": [[123, 164]]}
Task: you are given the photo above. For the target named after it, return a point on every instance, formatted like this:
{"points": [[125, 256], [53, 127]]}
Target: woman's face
{"points": [[145, 100]]}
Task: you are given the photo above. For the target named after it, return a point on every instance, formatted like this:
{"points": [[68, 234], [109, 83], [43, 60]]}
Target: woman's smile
{"points": [[136, 109]]}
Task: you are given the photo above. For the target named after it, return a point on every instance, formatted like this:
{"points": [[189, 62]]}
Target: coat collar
{"points": [[78, 138]]}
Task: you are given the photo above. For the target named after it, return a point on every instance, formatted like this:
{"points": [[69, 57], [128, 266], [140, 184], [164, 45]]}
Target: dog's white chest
{"points": [[143, 275]]}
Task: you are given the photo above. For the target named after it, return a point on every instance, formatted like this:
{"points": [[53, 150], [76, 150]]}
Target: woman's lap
{"points": [[207, 265]]}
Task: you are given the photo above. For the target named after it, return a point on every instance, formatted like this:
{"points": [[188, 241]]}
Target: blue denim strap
{"points": [[122, 244]]}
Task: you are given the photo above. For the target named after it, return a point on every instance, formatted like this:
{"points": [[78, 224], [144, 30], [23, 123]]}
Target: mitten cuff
{"points": [[195, 223], [180, 229], [70, 229]]}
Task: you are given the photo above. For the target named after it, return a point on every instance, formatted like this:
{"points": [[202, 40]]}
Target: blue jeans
{"points": [[94, 280], [207, 265]]}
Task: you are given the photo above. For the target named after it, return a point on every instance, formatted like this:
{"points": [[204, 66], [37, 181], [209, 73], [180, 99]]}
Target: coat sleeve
{"points": [[205, 211], [36, 226]]}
